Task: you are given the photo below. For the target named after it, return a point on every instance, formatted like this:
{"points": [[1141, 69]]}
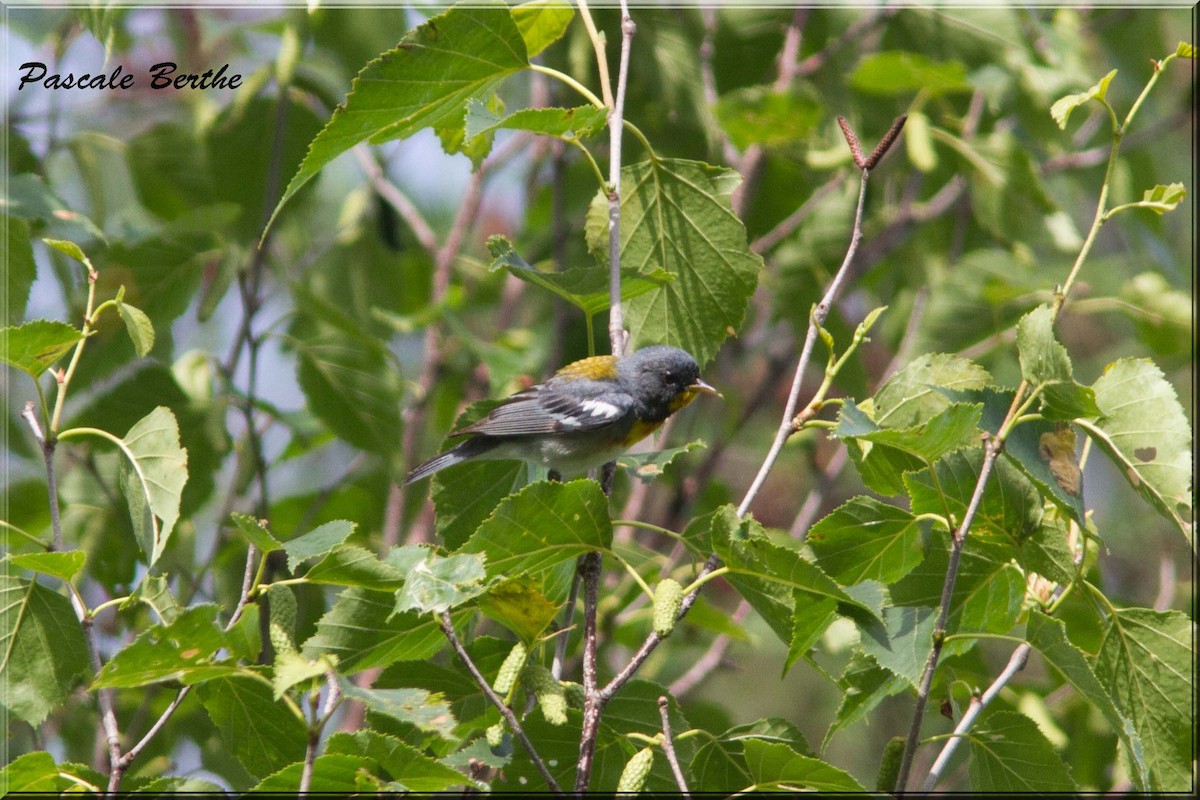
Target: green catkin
{"points": [[510, 669], [282, 627], [550, 694], [633, 777], [668, 597]]}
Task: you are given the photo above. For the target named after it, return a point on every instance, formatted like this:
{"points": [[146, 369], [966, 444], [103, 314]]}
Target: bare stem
{"points": [[819, 314], [514, 724], [668, 746], [593, 700], [991, 452], [1015, 664], [617, 336]]}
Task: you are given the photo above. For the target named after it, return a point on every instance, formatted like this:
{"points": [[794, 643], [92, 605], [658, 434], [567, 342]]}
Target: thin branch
{"points": [[785, 228], [593, 700], [1015, 664], [819, 314], [514, 724], [598, 46], [560, 646], [853, 33], [711, 659], [618, 338], [668, 746], [991, 452], [398, 200]]}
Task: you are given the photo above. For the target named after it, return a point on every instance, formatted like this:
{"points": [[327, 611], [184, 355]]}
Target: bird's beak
{"points": [[701, 387]]}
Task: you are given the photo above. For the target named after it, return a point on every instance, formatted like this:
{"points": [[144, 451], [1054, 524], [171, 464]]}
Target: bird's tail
{"points": [[471, 448]]}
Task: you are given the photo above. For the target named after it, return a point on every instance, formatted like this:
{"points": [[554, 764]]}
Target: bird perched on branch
{"points": [[589, 413]]}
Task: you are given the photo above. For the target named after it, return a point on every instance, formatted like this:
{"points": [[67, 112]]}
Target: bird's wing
{"points": [[544, 409]]}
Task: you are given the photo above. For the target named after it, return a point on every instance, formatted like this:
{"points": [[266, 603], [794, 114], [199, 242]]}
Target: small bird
{"points": [[587, 414]]}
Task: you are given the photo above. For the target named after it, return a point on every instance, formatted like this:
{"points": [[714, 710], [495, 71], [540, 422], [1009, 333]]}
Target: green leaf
{"points": [[1049, 637], [155, 592], [900, 72], [543, 525], [1062, 108], [19, 270], [37, 344], [1046, 366], [777, 766], [520, 606], [184, 651], [1145, 432], [362, 632], [988, 592], [426, 711], [64, 566], [30, 199], [349, 565], [1010, 754], [903, 643], [69, 249], [256, 532], [864, 686], [317, 542], [915, 393], [867, 540], [1162, 199], [139, 327], [1026, 447], [677, 215], [1185, 50], [586, 288], [772, 577], [424, 82], [649, 465], [31, 772], [564, 123], [1043, 359], [152, 478], [1010, 507], [542, 22], [331, 774], [438, 583], [261, 733], [405, 765], [352, 386], [42, 650], [291, 668], [765, 116], [953, 428], [810, 620], [720, 762], [1146, 663]]}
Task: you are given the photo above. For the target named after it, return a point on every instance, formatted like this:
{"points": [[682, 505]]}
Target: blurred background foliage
{"points": [[971, 222]]}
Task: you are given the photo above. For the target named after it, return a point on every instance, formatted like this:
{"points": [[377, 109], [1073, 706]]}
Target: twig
{"points": [[104, 697], [398, 200], [819, 313], [852, 33], [243, 600], [710, 660], [991, 451], [593, 701], [1015, 664], [785, 228], [560, 646], [617, 335], [668, 746], [514, 724]]}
